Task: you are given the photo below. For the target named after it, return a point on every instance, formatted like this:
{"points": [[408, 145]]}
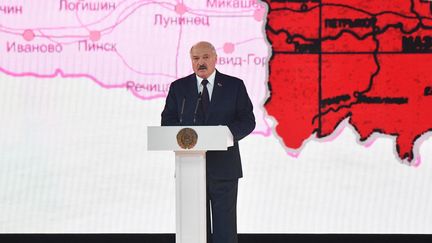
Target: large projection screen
{"points": [[80, 81]]}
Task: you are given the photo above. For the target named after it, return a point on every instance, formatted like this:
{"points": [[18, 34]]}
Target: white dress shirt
{"points": [[210, 84]]}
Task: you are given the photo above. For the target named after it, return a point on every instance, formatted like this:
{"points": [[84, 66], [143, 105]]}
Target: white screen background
{"points": [[73, 159]]}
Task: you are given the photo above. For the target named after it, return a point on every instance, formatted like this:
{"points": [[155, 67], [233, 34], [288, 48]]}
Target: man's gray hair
{"points": [[205, 44]]}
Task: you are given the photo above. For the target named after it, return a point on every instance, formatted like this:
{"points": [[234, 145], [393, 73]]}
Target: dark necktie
{"points": [[205, 96]]}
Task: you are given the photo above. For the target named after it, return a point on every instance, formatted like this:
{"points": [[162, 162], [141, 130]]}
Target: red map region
{"points": [[368, 61], [294, 100]]}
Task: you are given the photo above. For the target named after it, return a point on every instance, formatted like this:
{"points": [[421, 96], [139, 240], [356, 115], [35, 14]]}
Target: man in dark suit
{"points": [[208, 97]]}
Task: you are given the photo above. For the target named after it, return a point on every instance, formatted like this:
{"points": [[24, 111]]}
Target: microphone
{"points": [[196, 107], [182, 109]]}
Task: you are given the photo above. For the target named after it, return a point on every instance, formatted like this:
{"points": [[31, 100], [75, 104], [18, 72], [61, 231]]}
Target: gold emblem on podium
{"points": [[187, 138]]}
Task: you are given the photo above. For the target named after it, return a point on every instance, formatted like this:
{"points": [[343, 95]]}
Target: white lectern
{"points": [[190, 174]]}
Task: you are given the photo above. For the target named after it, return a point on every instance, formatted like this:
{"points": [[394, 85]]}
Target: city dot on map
{"points": [[259, 14], [228, 47], [180, 8], [95, 35], [28, 35]]}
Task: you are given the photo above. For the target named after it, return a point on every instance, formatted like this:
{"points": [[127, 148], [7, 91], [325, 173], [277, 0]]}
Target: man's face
{"points": [[203, 61]]}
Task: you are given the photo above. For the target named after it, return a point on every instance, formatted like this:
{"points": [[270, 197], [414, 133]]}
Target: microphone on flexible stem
{"points": [[196, 107], [182, 109]]}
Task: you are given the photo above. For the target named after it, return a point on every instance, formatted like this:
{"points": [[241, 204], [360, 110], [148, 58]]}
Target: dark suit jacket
{"points": [[230, 105]]}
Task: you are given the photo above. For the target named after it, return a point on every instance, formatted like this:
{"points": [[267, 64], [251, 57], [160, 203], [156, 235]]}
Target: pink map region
{"points": [[138, 46]]}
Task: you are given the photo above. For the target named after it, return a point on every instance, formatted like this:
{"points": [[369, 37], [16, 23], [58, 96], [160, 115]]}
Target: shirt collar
{"points": [[211, 78]]}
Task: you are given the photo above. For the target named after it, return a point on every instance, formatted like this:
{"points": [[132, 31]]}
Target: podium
{"points": [[190, 172]]}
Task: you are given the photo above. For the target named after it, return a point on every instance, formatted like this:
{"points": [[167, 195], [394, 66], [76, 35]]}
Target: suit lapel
{"points": [[216, 94], [192, 90], [193, 86]]}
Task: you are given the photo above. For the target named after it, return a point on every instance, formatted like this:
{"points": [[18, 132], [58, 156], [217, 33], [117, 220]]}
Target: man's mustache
{"points": [[202, 67]]}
